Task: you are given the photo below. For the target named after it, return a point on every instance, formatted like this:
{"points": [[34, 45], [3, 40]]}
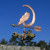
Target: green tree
{"points": [[13, 41], [29, 38], [42, 44], [35, 44], [22, 40], [48, 46], [3, 41]]}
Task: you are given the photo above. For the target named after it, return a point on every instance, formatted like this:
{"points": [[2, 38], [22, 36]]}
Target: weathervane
{"points": [[25, 17]]}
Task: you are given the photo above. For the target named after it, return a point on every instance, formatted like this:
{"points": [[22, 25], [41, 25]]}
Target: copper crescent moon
{"points": [[33, 19]]}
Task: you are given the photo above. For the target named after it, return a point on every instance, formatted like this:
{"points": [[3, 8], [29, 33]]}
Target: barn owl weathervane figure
{"points": [[25, 17]]}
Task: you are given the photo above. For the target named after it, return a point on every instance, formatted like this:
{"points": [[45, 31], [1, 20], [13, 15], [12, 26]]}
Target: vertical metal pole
{"points": [[24, 29]]}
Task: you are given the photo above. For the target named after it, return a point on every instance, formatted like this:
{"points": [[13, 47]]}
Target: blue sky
{"points": [[12, 10]]}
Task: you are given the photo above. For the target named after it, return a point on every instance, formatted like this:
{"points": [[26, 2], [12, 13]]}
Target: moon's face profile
{"points": [[33, 19]]}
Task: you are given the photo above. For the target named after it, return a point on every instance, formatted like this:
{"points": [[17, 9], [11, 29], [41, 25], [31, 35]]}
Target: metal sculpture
{"points": [[25, 17]]}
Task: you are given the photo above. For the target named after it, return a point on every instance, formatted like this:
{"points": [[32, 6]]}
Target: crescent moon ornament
{"points": [[33, 19]]}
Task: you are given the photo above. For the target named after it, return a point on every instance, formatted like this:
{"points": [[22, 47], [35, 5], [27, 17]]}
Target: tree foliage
{"points": [[25, 39], [3, 41]]}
